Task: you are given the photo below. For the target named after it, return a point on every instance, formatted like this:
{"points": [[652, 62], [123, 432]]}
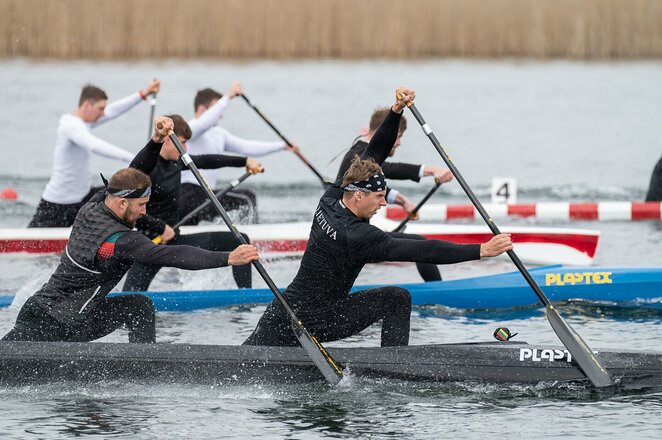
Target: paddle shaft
{"points": [[570, 338], [219, 195], [273, 127], [404, 222], [328, 367], [152, 109], [474, 200]]}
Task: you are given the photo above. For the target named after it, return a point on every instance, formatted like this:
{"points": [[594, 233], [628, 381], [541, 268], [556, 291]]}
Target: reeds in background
{"points": [[118, 29]]}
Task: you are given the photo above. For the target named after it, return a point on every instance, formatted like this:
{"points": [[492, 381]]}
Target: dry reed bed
{"points": [[580, 29]]}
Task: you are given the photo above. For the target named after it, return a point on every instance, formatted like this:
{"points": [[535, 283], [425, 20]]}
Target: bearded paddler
{"points": [[72, 305]]}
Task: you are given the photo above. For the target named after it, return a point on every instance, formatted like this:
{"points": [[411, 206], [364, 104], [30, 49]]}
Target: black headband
{"points": [[133, 193], [372, 184]]}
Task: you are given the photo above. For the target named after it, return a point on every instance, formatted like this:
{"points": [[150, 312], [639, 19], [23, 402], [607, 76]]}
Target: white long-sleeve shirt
{"points": [[71, 180], [209, 138]]}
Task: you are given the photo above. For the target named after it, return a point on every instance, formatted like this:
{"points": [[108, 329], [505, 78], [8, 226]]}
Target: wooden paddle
{"points": [[404, 222], [580, 351], [325, 181], [219, 195], [320, 357]]}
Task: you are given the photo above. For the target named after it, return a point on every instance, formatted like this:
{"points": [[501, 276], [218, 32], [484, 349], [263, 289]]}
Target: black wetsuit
{"points": [[340, 244], [397, 171], [163, 209], [57, 215], [655, 188], [392, 170], [73, 304]]}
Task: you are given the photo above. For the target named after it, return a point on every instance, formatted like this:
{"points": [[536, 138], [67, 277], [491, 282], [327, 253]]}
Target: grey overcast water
{"points": [[567, 131]]}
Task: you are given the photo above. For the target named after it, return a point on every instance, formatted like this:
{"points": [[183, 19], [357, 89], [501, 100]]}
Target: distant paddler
{"points": [[72, 305], [342, 241], [655, 187], [70, 184], [393, 170], [398, 171], [163, 208], [208, 138]]}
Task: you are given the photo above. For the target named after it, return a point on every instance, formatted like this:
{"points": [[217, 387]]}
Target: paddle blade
{"points": [[580, 351], [321, 358]]}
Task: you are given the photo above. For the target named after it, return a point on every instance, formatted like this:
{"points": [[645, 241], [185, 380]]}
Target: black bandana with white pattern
{"points": [[132, 193], [372, 184]]}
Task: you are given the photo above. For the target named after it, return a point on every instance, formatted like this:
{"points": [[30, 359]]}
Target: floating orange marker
{"points": [[8, 194]]}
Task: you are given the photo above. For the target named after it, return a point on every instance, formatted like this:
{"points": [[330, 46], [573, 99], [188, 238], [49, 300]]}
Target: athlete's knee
{"points": [[246, 237], [147, 304], [400, 296], [141, 305]]}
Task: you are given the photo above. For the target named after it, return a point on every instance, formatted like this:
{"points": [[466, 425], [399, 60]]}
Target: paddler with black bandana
{"points": [[72, 305], [342, 241]]}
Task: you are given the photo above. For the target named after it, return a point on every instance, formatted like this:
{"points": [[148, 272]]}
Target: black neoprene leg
{"points": [[136, 312], [192, 197], [139, 277], [391, 304], [222, 242], [54, 215], [34, 324]]}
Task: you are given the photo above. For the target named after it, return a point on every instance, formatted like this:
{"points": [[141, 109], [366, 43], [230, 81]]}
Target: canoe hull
{"points": [[632, 287], [533, 245], [498, 362]]}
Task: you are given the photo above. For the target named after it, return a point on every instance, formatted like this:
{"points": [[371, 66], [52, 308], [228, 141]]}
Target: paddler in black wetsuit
{"points": [[342, 241], [163, 208], [72, 305], [654, 193], [398, 171]]}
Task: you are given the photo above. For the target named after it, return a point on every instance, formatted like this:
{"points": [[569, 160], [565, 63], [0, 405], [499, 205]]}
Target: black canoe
{"points": [[497, 362]]}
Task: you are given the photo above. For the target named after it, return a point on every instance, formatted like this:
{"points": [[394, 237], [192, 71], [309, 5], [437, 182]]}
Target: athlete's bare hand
{"points": [[153, 87], [253, 166], [294, 148], [441, 175], [409, 208], [407, 205], [167, 234], [243, 254], [496, 246], [235, 90], [162, 126], [403, 95]]}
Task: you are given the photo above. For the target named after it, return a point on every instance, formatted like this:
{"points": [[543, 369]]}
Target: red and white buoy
{"points": [[564, 211]]}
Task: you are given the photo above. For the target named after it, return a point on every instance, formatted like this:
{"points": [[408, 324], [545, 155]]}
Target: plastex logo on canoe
{"points": [[557, 279], [547, 354]]}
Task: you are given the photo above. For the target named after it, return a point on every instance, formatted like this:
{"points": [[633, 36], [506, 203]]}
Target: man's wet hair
{"points": [[378, 116], [359, 170], [129, 178], [205, 97], [91, 93], [181, 128]]}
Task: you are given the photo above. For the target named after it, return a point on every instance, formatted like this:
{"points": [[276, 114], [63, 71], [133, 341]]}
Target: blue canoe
{"points": [[641, 287]]}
